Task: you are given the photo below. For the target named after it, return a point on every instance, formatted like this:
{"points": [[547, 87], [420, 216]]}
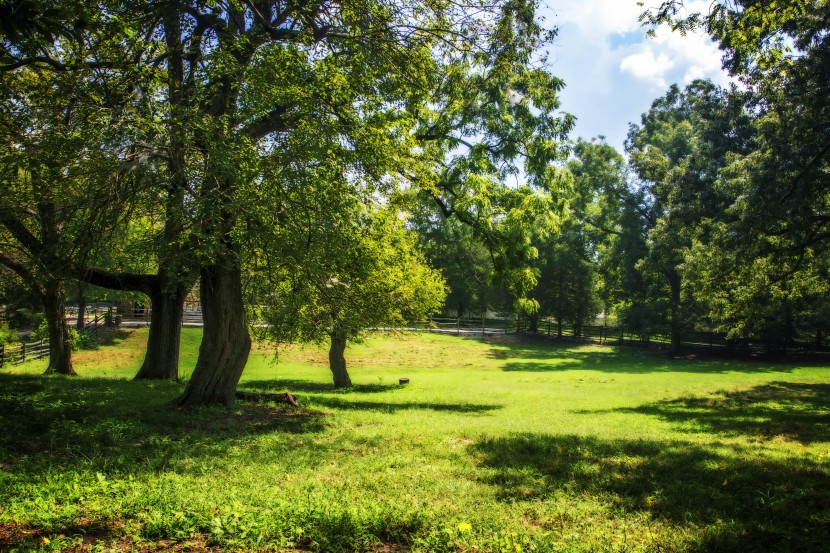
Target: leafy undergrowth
{"points": [[491, 447]]}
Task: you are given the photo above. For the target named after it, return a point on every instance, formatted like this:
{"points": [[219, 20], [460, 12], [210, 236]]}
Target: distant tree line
{"points": [[718, 220]]}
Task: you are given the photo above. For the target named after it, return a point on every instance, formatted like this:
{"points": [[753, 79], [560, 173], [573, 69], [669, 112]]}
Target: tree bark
{"points": [[225, 342], [674, 284], [60, 344], [337, 360], [81, 320], [533, 323], [161, 360]]}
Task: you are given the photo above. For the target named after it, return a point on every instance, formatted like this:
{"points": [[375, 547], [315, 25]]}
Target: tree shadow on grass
{"points": [[787, 410], [769, 503], [325, 395], [112, 336], [555, 357], [124, 425], [393, 407], [307, 386]]}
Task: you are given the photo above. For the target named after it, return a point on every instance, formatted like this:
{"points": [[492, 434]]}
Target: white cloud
{"points": [[612, 71], [671, 57], [692, 73], [648, 67], [600, 17]]}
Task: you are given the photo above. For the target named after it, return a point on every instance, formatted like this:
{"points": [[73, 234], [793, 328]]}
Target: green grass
{"points": [[491, 447]]}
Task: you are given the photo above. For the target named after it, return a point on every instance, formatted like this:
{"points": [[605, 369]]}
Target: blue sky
{"points": [[612, 71]]}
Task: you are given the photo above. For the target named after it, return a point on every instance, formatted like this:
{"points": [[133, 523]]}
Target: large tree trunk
{"points": [[225, 342], [161, 361], [60, 345], [337, 360]]}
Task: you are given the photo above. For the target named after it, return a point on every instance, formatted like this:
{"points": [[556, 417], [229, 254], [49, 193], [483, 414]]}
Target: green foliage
{"points": [[83, 340], [7, 335], [679, 155], [351, 269], [465, 263], [759, 265]]}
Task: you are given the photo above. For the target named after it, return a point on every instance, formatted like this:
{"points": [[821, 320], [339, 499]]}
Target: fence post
{"points": [[2, 354], [23, 352], [458, 325]]}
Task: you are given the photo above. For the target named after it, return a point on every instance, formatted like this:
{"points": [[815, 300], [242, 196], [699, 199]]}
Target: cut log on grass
{"points": [[262, 398]]}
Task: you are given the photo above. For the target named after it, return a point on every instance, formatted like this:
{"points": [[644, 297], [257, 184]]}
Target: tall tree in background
{"points": [[465, 263], [778, 222], [569, 263], [678, 154]]}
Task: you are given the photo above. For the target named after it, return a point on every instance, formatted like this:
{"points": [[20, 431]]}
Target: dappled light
{"points": [[771, 504]]}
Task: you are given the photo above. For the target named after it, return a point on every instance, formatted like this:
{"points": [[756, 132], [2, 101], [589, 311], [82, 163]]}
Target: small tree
{"points": [[351, 269]]}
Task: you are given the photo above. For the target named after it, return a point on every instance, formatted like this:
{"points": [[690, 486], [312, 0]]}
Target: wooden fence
{"points": [[471, 325], [16, 354]]}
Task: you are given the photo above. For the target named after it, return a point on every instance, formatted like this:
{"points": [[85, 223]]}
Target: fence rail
{"points": [[16, 354]]}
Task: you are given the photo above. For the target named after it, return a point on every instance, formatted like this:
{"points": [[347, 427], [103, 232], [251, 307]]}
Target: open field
{"points": [[491, 447]]}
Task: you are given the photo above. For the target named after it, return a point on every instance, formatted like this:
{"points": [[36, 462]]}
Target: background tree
{"points": [[61, 178], [777, 222], [465, 263], [678, 154], [347, 267]]}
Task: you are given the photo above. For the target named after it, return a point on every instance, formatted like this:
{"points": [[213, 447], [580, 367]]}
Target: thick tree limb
{"points": [[132, 282], [18, 268], [274, 121]]}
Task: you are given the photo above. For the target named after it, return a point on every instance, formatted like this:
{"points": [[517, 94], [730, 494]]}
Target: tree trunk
{"points": [[81, 320], [60, 345], [337, 361], [559, 327], [533, 323], [161, 361], [674, 284], [225, 342]]}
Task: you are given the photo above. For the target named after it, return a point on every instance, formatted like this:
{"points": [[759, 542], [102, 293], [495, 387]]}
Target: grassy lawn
{"points": [[491, 447]]}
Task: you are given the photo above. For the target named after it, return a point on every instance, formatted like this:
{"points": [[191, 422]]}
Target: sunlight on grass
{"points": [[492, 446]]}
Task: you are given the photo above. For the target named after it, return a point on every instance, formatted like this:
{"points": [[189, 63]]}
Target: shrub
{"points": [[78, 340], [7, 335]]}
